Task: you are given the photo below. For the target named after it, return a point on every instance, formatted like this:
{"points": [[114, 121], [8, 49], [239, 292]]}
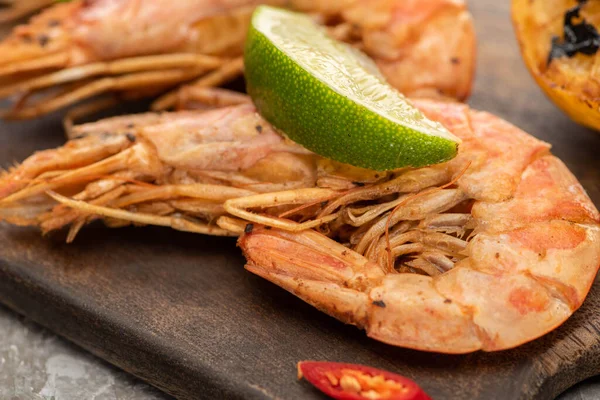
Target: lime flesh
{"points": [[332, 99]]}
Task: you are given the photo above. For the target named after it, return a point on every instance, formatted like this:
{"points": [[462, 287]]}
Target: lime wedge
{"points": [[332, 99]]}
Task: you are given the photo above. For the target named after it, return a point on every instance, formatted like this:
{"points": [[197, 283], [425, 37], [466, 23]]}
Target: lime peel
{"points": [[332, 99]]}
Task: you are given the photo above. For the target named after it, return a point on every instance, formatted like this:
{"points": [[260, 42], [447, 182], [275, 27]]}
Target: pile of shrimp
{"points": [[179, 169], [110, 51], [409, 255]]}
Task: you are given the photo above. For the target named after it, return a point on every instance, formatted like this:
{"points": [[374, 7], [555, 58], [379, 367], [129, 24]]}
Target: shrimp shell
{"points": [[528, 264], [83, 49], [171, 169]]}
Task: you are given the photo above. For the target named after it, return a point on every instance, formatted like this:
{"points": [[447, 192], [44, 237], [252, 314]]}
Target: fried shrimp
{"points": [[88, 49], [515, 224], [409, 255]]}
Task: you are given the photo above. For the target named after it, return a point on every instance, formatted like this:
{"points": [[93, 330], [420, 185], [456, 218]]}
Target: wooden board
{"points": [[179, 311]]}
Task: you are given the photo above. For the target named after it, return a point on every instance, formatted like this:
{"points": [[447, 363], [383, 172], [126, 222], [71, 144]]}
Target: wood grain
{"points": [[179, 311]]}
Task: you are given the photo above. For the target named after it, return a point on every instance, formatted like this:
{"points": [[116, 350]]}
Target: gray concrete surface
{"points": [[38, 365]]}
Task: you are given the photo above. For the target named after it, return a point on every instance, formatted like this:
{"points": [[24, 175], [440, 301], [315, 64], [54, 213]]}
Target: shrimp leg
{"points": [[11, 10], [168, 169], [128, 82], [177, 223], [239, 207], [216, 78]]}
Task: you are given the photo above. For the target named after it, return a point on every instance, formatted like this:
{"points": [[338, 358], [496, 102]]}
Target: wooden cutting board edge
{"points": [[555, 362], [67, 316], [571, 354]]}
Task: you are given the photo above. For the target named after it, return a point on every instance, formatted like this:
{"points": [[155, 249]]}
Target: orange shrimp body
{"points": [[485, 252], [502, 257], [87, 49]]}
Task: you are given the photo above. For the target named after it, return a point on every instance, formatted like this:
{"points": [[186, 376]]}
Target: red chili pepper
{"points": [[358, 382]]}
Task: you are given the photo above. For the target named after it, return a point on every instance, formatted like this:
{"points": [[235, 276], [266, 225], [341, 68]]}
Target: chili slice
{"points": [[358, 382]]}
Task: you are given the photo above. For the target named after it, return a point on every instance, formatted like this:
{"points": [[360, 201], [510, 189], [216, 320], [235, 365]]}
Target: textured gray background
{"points": [[37, 365]]}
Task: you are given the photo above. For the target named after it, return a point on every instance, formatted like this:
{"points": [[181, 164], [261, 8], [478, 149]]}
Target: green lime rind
{"points": [[312, 113]]}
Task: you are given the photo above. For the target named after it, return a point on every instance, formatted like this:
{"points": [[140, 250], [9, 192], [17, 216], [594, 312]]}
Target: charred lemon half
{"points": [[560, 43]]}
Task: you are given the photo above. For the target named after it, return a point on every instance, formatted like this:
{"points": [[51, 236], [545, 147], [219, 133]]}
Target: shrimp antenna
{"points": [[312, 203]]}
